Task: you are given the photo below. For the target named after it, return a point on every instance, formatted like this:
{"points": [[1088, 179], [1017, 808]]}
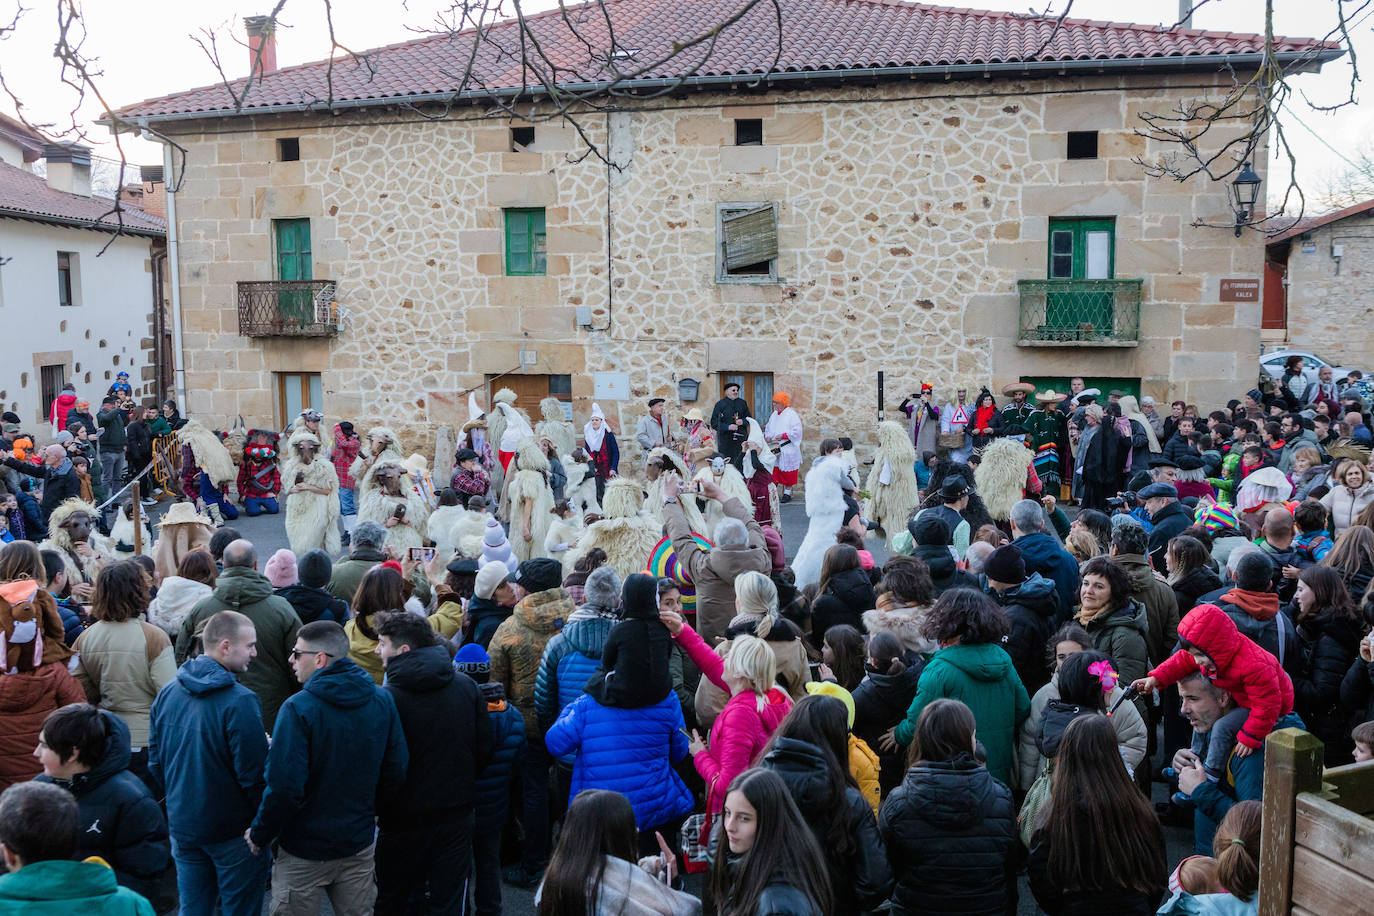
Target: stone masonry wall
{"points": [[1330, 305], [906, 216]]}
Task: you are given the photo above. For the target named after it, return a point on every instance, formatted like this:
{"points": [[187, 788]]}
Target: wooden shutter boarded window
{"points": [[750, 236]]}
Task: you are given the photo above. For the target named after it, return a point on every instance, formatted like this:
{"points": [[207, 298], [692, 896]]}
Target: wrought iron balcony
{"points": [[288, 308], [1080, 313]]}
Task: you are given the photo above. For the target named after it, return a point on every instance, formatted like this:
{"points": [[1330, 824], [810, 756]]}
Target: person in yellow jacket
{"points": [[863, 762]]}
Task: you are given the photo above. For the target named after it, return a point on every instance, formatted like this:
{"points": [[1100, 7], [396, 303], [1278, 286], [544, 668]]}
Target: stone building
{"points": [[940, 194], [1317, 286], [76, 305]]}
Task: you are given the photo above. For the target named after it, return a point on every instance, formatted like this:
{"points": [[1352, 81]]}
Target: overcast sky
{"points": [[146, 49]]}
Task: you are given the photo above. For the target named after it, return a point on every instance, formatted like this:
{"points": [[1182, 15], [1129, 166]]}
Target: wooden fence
{"points": [[1317, 843]]}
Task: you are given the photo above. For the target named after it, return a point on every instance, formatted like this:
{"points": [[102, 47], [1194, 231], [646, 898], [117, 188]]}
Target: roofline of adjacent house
{"points": [[76, 223], [1313, 56], [1302, 227]]}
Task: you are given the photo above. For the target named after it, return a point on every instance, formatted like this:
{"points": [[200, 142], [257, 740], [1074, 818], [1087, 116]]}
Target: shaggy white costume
{"points": [[467, 532], [1001, 477], [825, 509], [441, 524], [732, 482], [580, 494], [211, 456], [653, 502], [563, 533], [122, 531], [627, 535], [326, 441], [529, 489], [312, 519], [79, 569], [376, 505], [891, 485], [498, 422], [361, 468], [235, 440], [561, 433]]}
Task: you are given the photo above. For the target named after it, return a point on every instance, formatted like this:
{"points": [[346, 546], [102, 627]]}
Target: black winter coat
{"points": [[314, 604], [1195, 583], [1328, 645], [507, 750], [1056, 901], [861, 879], [57, 487], [846, 598], [120, 821], [950, 830], [945, 574], [484, 616], [1033, 607], [140, 448], [880, 702], [449, 736], [1168, 524]]}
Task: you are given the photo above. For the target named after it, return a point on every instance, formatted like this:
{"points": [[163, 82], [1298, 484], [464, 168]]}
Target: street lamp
{"points": [[1246, 185]]}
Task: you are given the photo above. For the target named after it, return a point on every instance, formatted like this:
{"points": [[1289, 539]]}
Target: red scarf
{"points": [[982, 417]]}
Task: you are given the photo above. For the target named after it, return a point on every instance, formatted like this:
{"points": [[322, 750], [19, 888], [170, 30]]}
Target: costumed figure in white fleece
{"points": [[310, 486], [496, 546], [121, 537], [382, 444], [1001, 477], [560, 431], [668, 462], [891, 485], [387, 498], [417, 468], [562, 537], [531, 499], [580, 490], [310, 420], [72, 534], [474, 435], [626, 534], [443, 519], [206, 470], [467, 532], [758, 463], [506, 426], [825, 507], [723, 474]]}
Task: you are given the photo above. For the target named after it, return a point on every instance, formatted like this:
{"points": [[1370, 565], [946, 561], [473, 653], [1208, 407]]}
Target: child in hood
{"points": [[634, 661], [1261, 688]]}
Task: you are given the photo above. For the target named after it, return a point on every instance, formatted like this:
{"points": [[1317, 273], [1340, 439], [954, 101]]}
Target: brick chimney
{"points": [[262, 44], [69, 168], [154, 191]]}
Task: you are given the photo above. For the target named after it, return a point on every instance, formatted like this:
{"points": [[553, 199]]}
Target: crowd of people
{"points": [[555, 672]]}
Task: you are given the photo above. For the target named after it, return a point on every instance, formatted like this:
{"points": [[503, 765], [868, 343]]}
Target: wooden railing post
{"points": [[1292, 764]]}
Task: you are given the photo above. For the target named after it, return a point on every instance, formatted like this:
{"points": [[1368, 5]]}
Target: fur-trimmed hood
{"points": [[623, 498], [63, 512], [903, 623], [503, 396], [210, 454], [1001, 477]]}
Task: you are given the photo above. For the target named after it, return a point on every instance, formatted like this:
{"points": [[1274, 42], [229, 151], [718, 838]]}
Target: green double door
{"points": [[294, 263], [1081, 249]]}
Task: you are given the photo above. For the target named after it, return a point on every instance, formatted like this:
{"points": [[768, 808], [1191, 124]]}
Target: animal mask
{"points": [[78, 527]]}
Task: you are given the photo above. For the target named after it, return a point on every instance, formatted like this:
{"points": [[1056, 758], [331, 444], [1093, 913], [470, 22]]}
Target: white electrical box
{"points": [[529, 357], [610, 386]]}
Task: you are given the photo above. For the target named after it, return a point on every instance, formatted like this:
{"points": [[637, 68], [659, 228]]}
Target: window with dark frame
{"points": [[64, 278], [748, 132], [288, 149], [520, 138], [51, 378], [526, 243], [1082, 144], [747, 239]]}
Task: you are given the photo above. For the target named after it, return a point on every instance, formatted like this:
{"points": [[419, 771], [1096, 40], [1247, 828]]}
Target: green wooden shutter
{"points": [[294, 264], [1080, 250], [526, 243], [750, 236]]}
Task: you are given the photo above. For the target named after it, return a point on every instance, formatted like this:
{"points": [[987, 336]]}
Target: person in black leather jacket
{"points": [[810, 752], [950, 827]]}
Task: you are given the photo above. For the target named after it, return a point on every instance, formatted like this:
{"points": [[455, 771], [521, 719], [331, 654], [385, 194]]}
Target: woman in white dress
{"points": [[825, 507]]}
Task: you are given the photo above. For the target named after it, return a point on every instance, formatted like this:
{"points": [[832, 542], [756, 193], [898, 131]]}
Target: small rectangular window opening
{"points": [[521, 137], [288, 149], [748, 132], [1082, 144], [64, 278]]}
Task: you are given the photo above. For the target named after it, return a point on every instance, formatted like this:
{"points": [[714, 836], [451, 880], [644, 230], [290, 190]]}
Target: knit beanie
{"points": [[1005, 564], [777, 554], [281, 569], [930, 531], [1216, 517], [473, 661], [831, 689], [314, 569], [602, 588]]}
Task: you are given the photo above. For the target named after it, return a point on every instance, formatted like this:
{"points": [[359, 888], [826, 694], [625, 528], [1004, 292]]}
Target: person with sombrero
{"points": [[1050, 440], [475, 435], [1019, 411]]}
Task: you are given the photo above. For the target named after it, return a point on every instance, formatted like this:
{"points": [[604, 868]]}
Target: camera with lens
{"points": [[1125, 502]]}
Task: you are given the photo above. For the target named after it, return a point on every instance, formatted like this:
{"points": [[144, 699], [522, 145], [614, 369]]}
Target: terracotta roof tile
{"points": [[816, 36], [24, 195]]}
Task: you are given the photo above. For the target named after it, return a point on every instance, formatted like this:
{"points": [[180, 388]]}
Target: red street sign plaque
{"points": [[1240, 290]]}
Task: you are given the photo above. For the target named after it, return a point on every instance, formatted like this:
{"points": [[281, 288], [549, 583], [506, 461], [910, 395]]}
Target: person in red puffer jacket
{"points": [[61, 406]]}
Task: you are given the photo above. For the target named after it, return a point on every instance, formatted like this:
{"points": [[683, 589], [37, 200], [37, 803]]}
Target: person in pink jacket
{"points": [[754, 710]]}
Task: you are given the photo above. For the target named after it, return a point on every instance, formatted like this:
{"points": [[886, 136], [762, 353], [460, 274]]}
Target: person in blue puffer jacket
{"points": [[493, 783], [630, 751]]}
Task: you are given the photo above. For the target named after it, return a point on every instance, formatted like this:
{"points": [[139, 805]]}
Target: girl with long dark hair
{"points": [[1191, 576], [845, 592], [950, 828], [382, 589], [842, 656], [593, 870], [1329, 630], [810, 752], [767, 862], [1098, 847]]}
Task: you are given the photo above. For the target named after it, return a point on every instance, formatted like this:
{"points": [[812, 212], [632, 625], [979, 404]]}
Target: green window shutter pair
{"points": [[526, 243]]}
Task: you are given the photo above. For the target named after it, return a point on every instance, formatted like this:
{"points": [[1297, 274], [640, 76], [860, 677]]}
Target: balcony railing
{"points": [[1080, 313], [288, 308]]}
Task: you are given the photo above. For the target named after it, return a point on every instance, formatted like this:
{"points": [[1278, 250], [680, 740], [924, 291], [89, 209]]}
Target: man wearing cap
{"points": [[516, 649], [81, 413], [121, 390], [954, 493], [728, 420], [653, 430], [783, 433], [930, 543], [494, 596], [469, 478], [924, 419], [1168, 516], [1032, 604]]}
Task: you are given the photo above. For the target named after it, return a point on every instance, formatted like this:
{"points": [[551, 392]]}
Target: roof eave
{"points": [[1309, 59], [75, 223]]}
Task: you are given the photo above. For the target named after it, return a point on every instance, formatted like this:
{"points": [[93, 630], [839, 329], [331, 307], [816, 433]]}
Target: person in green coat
{"points": [[972, 667], [38, 832], [1117, 623]]}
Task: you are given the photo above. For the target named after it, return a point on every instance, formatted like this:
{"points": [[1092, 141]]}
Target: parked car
{"points": [[1272, 363]]}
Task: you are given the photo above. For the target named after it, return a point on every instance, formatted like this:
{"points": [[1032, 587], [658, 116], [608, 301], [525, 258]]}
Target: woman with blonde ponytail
{"points": [[1227, 885], [756, 614], [747, 673]]}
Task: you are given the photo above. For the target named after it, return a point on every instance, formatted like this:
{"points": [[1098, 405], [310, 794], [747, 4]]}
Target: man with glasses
{"points": [[338, 747]]}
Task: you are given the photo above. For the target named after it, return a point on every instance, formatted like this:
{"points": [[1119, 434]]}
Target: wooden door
{"points": [[294, 263]]}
